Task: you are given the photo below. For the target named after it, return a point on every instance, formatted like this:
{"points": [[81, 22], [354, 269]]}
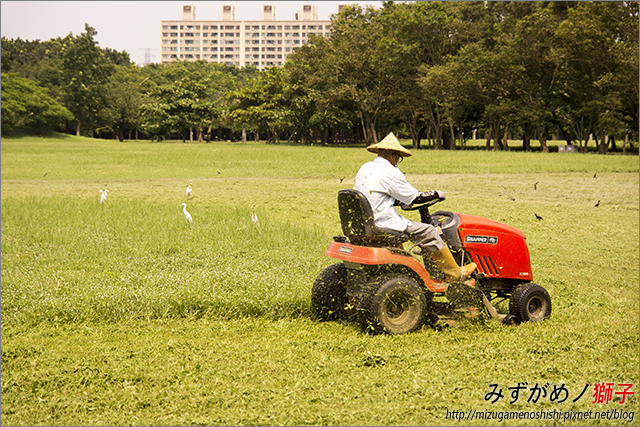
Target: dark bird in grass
{"points": [[535, 186], [594, 175], [342, 179], [538, 217], [597, 204]]}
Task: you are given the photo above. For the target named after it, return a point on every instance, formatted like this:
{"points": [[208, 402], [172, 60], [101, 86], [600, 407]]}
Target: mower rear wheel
{"points": [[395, 304], [530, 302], [329, 293]]}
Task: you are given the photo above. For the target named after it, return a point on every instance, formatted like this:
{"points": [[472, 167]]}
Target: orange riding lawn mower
{"points": [[385, 287]]}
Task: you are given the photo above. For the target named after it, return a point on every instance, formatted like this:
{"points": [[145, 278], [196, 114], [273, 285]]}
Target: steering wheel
{"points": [[415, 207]]}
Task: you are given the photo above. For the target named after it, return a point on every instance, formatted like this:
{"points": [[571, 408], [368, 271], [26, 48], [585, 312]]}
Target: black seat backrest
{"points": [[356, 217]]}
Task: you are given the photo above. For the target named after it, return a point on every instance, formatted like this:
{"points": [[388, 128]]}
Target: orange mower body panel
{"points": [[381, 256], [499, 250]]}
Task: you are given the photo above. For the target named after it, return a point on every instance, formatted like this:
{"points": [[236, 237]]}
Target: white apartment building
{"points": [[262, 43]]}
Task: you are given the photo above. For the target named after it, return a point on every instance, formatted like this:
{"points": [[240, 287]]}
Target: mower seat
{"points": [[356, 217]]}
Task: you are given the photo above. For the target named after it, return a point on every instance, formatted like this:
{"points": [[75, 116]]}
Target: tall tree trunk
{"points": [[487, 135], [542, 138], [497, 139], [603, 145], [453, 137], [526, 138], [505, 140]]}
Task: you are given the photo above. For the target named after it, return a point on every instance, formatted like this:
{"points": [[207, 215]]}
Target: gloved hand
{"points": [[429, 196]]}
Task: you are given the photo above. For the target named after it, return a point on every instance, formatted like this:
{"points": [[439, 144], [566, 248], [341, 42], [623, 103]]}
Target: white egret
{"points": [[189, 190], [187, 215], [103, 197], [254, 217]]}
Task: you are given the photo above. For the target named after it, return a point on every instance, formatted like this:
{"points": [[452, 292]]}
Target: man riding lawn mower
{"points": [[387, 287]]}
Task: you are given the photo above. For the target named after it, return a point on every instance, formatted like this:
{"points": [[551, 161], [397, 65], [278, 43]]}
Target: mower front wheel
{"points": [[329, 293], [393, 304], [530, 302]]}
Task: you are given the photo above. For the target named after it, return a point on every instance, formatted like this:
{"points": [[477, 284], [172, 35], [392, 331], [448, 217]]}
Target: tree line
{"points": [[439, 72]]}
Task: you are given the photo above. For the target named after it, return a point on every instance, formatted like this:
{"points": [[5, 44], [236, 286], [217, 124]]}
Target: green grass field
{"points": [[122, 314]]}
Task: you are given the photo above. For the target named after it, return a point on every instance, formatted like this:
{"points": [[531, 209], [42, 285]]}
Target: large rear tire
{"points": [[329, 293], [530, 302], [395, 304]]}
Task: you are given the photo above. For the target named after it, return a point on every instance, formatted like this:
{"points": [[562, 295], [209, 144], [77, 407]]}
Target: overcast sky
{"points": [[133, 26]]}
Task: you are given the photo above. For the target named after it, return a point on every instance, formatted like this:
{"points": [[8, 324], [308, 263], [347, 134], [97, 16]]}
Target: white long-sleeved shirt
{"points": [[383, 184]]}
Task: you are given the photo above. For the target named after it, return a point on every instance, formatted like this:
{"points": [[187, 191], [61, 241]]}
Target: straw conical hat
{"points": [[390, 142]]}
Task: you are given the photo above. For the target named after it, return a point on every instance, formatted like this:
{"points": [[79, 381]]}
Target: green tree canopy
{"points": [[27, 105]]}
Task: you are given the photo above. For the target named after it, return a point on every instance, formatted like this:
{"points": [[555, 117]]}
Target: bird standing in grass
{"points": [[103, 197], [189, 190], [538, 217], [597, 204], [254, 217], [187, 215]]}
